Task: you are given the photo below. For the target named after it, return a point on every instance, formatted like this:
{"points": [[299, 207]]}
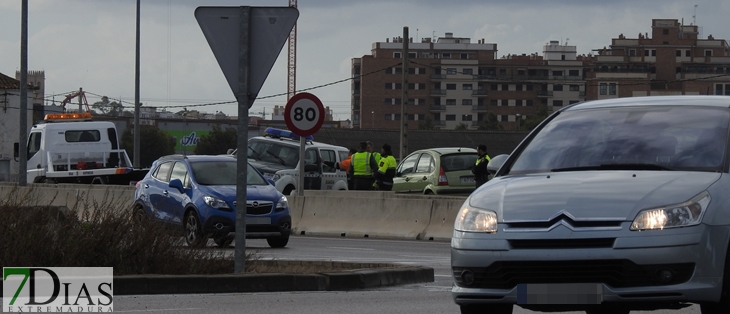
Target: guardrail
{"points": [[373, 214]]}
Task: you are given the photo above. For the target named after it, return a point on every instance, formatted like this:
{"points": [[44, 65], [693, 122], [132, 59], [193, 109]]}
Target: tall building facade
{"points": [[456, 84], [674, 60]]}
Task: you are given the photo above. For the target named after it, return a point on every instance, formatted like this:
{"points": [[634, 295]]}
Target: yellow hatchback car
{"points": [[436, 171]]}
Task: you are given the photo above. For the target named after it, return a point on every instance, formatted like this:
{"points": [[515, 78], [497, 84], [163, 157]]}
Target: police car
{"points": [[276, 156]]}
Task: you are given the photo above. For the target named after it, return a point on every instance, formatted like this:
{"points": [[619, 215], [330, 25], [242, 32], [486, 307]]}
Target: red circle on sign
{"points": [[303, 105]]}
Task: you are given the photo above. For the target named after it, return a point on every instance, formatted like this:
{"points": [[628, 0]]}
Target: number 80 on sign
{"points": [[304, 114]]}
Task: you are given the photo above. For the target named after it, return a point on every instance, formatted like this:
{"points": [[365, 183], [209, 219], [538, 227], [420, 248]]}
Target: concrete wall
{"points": [[325, 213], [9, 128]]}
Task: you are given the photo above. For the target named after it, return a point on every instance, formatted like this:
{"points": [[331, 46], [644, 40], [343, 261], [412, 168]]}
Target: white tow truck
{"points": [[71, 148]]}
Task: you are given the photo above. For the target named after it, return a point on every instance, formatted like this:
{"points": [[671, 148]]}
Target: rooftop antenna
{"points": [[566, 41], [694, 16]]}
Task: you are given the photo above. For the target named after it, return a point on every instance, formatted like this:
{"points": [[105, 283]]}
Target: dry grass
{"points": [[95, 235]]}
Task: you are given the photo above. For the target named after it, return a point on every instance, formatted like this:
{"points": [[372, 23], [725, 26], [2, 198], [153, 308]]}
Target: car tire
{"points": [[223, 241], [278, 242], [428, 192], [138, 214], [486, 308], [723, 305], [193, 231], [287, 190]]}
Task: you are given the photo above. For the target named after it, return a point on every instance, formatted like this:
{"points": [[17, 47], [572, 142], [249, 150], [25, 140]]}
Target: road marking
{"points": [[161, 310], [442, 276], [349, 248]]}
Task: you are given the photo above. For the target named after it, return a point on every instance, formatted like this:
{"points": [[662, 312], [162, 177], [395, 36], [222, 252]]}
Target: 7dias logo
{"points": [[58, 289]]}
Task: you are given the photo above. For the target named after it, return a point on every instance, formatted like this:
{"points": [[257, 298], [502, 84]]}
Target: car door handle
{"points": [[165, 192], [408, 179], [424, 178]]}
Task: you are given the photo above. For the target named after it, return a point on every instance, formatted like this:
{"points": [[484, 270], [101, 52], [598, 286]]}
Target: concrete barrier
{"points": [[375, 214], [364, 217], [443, 215]]}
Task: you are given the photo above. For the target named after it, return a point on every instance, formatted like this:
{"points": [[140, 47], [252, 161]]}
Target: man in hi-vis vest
{"points": [[361, 168], [481, 175]]}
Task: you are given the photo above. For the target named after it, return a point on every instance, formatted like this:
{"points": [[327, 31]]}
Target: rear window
{"points": [[82, 136], [457, 162]]}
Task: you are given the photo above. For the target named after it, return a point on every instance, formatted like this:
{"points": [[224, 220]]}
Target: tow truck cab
{"points": [[70, 148]]}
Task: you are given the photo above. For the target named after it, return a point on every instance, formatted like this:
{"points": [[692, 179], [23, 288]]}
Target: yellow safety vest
{"points": [[361, 164], [483, 158]]}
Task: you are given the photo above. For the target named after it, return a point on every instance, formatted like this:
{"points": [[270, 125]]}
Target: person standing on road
{"points": [[481, 175], [386, 170], [361, 166], [377, 161], [345, 165]]}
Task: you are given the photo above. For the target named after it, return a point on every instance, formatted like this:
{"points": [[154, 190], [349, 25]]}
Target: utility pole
{"points": [[403, 151], [81, 90], [23, 150], [136, 161]]}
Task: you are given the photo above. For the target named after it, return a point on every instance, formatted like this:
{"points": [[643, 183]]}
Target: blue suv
{"points": [[197, 195]]}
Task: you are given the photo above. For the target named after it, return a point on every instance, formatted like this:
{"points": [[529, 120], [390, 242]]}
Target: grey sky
{"points": [[90, 44]]}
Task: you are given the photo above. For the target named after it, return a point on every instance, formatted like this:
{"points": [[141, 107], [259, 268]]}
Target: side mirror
{"points": [[496, 163], [311, 168], [177, 184], [398, 174], [271, 181], [16, 150], [230, 151]]}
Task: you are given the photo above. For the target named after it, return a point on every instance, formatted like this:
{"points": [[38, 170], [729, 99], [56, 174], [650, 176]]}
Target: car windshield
{"points": [[223, 173], [629, 138], [269, 151]]}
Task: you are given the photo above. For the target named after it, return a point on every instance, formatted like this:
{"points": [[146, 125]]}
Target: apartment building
{"points": [[455, 83], [458, 83], [674, 60]]}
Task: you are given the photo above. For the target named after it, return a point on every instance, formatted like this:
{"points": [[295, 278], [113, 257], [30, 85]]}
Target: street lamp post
{"points": [[372, 119]]}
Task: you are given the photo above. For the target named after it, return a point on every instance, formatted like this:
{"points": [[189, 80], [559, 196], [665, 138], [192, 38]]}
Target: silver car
{"points": [[606, 207]]}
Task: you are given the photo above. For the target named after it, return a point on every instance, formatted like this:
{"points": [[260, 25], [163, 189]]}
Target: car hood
{"points": [[266, 167], [253, 192], [587, 195]]}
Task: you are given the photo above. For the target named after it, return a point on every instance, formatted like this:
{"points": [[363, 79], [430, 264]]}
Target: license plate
{"points": [[467, 179], [258, 220], [567, 293]]}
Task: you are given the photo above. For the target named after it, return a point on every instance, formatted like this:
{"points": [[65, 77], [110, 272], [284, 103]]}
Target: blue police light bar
{"points": [[279, 133]]}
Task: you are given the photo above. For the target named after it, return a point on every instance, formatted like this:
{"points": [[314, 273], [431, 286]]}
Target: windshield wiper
{"points": [[277, 157], [616, 166], [257, 155]]}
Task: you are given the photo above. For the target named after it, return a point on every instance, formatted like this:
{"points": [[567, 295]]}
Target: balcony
{"points": [[479, 92], [439, 122], [438, 92], [479, 108], [438, 76], [437, 108], [544, 93]]}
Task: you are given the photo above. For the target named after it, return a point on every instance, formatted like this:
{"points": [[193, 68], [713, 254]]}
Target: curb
{"points": [[272, 282]]}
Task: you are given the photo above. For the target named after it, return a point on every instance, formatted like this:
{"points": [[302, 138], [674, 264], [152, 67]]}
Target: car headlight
{"points": [[472, 219], [283, 203], [215, 202], [273, 176], [680, 215]]}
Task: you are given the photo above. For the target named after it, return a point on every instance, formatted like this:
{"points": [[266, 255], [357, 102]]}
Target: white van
{"points": [[276, 156]]}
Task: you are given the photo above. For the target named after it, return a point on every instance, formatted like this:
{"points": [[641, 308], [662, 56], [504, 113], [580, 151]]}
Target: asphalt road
{"points": [[425, 298]]}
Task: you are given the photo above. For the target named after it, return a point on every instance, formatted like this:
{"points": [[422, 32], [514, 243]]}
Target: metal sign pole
{"points": [[300, 190], [242, 143]]}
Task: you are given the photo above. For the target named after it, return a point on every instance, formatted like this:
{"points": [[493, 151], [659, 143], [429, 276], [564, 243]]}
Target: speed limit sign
{"points": [[304, 114]]}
